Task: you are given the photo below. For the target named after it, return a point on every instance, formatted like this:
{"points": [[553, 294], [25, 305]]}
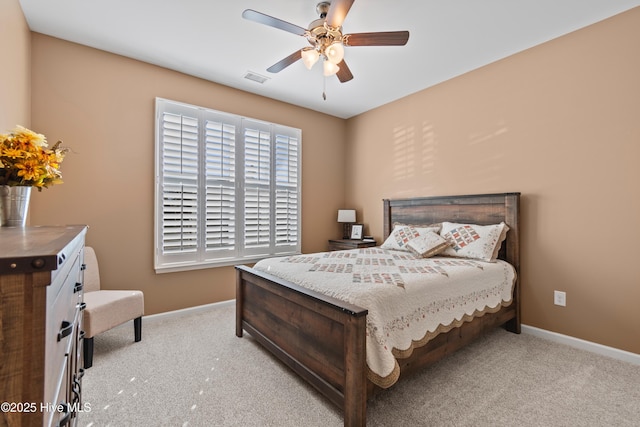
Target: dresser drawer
{"points": [[56, 412], [60, 331]]}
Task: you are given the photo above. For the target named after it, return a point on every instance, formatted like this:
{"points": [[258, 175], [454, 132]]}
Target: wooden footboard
{"points": [[321, 338]]}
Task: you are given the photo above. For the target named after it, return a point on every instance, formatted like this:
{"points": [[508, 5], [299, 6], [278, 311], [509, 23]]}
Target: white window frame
{"points": [[236, 187]]}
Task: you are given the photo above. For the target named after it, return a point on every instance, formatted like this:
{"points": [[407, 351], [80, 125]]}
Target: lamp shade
{"points": [[346, 215], [309, 57], [330, 68], [335, 52]]}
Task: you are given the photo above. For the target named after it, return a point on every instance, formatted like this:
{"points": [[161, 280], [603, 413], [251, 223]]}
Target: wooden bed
{"points": [[323, 339]]}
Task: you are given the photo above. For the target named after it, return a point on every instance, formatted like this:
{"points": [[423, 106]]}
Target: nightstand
{"points": [[341, 244]]}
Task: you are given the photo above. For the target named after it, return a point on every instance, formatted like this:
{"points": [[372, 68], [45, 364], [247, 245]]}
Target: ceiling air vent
{"points": [[255, 77]]}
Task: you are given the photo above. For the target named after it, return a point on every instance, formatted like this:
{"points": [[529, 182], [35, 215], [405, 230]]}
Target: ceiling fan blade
{"points": [[337, 12], [344, 73], [261, 18], [388, 38], [281, 65]]}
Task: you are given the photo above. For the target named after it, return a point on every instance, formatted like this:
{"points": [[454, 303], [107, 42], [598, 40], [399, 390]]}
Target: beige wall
{"points": [[559, 123], [15, 95], [102, 106]]}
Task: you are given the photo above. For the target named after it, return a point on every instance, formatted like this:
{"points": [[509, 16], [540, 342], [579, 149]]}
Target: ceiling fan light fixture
{"points": [[309, 56], [326, 38], [330, 68], [335, 52]]}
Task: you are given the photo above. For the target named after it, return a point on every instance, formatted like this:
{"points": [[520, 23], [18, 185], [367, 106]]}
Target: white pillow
{"points": [[403, 234], [428, 244], [474, 241]]}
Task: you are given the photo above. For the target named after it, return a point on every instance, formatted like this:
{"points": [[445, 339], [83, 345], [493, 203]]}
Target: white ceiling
{"points": [[209, 39]]}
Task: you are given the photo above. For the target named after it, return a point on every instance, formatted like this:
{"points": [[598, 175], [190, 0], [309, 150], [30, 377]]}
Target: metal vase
{"points": [[14, 205]]}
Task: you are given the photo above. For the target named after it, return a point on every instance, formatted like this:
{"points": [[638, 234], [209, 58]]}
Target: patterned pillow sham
{"points": [[474, 241], [428, 244], [403, 234]]}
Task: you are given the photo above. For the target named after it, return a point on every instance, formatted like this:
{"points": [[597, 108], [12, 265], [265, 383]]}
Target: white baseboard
{"points": [[166, 314], [625, 356]]}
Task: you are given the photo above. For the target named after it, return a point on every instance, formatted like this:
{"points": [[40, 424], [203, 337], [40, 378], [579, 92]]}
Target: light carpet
{"points": [[191, 370]]}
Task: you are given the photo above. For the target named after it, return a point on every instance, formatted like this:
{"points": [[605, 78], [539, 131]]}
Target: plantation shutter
{"points": [[220, 194], [286, 187], [257, 178], [227, 188], [180, 189]]}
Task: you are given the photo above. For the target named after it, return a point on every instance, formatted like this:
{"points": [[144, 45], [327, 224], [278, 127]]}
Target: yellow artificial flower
{"points": [[29, 170], [13, 153], [25, 159], [27, 136]]}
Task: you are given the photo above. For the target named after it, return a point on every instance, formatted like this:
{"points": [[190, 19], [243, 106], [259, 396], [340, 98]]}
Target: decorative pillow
{"points": [[428, 244], [474, 241], [403, 234]]}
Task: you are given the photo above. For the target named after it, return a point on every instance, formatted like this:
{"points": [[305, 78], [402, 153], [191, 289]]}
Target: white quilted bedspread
{"points": [[410, 299]]}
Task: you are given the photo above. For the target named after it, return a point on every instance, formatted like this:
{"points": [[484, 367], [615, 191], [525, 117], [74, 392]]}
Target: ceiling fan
{"points": [[326, 38]]}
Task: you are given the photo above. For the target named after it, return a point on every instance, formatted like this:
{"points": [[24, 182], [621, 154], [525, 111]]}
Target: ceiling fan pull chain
{"points": [[324, 88]]}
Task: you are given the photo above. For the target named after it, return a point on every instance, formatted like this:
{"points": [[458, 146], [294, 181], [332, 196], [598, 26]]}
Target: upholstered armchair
{"points": [[106, 309]]}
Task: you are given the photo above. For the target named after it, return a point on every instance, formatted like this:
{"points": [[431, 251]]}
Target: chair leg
{"points": [[137, 328], [87, 352]]}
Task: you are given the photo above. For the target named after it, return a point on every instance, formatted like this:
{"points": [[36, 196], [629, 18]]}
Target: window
{"points": [[227, 188]]}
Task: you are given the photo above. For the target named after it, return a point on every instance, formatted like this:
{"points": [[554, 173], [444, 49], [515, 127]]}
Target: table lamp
{"points": [[347, 217]]}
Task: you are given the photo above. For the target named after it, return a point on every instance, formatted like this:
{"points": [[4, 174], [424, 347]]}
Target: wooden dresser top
{"points": [[38, 248]]}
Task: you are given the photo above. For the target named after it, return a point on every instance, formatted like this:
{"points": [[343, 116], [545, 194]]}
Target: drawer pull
{"points": [[76, 390], [82, 306], [38, 263], [67, 415], [81, 336], [65, 330], [83, 267], [78, 287]]}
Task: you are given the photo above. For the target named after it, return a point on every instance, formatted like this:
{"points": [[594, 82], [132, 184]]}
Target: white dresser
{"points": [[41, 303]]}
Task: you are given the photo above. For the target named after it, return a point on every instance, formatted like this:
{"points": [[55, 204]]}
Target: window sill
{"points": [[188, 266]]}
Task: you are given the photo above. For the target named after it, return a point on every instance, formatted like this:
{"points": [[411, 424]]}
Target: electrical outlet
{"points": [[560, 298]]}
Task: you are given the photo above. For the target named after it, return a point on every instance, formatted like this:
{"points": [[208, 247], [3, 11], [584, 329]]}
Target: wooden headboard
{"points": [[483, 209]]}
